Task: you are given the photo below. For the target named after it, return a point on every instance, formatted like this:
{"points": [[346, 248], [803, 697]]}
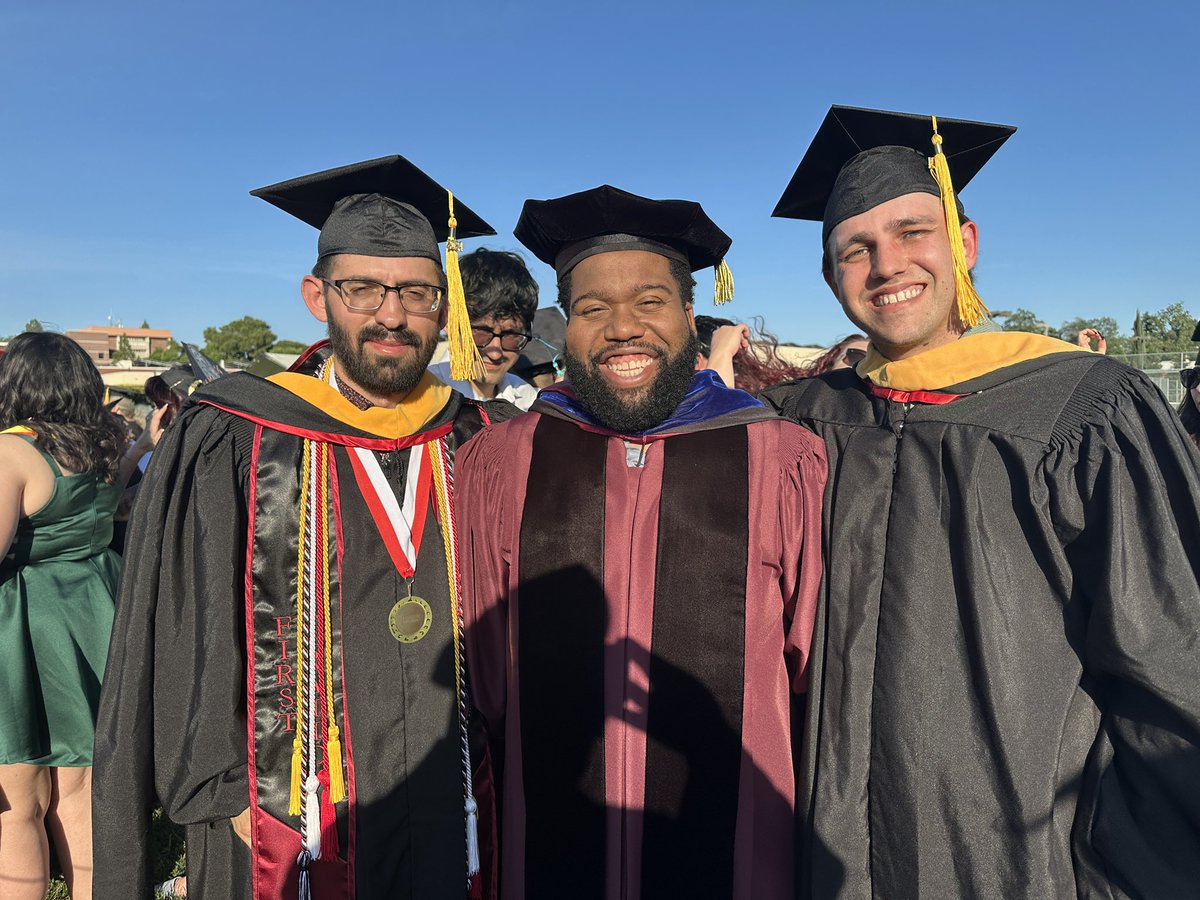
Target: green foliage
{"points": [[1167, 331], [124, 350], [295, 347], [145, 323], [1024, 320], [172, 353], [33, 325], [241, 340]]}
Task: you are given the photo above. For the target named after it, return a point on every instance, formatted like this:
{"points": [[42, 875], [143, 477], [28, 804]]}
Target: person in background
{"points": [[845, 354], [1004, 695], [1085, 337], [1189, 407], [541, 363], [63, 462], [745, 358], [501, 300]]}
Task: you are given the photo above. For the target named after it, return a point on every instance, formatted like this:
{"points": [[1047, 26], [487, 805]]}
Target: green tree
{"points": [[241, 340], [1024, 320], [172, 353], [296, 347], [145, 323], [1167, 331], [34, 325], [1106, 325], [124, 350]]}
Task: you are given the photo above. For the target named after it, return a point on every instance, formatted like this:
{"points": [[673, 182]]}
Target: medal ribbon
{"points": [[400, 526]]}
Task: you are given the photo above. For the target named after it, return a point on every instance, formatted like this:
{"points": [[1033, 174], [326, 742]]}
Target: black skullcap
{"points": [[565, 231], [860, 158], [383, 207]]}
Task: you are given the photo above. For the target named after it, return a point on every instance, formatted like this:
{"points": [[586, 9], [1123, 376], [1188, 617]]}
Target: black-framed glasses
{"points": [[512, 341], [853, 356], [364, 295], [1189, 377]]}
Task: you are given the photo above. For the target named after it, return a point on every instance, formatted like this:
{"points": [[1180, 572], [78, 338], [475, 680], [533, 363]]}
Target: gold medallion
{"points": [[410, 619]]}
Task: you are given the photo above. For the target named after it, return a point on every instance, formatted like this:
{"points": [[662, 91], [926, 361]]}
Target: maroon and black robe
{"points": [[639, 617]]}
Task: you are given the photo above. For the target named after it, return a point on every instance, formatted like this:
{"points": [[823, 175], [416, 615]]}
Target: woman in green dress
{"points": [[63, 463]]}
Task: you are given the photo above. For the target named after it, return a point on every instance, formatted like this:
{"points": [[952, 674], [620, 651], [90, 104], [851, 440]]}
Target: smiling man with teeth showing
{"points": [[641, 557], [1003, 700], [286, 675]]}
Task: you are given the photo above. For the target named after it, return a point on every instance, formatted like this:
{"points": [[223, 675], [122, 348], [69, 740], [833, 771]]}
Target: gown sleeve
{"points": [[485, 572], [800, 525], [172, 719], [1124, 488]]}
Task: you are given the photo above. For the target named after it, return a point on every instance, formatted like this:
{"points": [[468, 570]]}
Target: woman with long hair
{"points": [[745, 358], [845, 354], [62, 468]]}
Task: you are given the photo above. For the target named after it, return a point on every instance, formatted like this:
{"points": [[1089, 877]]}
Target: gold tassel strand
{"points": [[723, 284], [295, 792], [971, 310], [465, 362], [333, 744]]}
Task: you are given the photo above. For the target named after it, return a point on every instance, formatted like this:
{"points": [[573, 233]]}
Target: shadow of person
{"points": [[679, 828]]}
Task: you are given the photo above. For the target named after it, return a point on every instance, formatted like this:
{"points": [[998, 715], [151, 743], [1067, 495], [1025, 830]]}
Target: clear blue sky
{"points": [[133, 130]]}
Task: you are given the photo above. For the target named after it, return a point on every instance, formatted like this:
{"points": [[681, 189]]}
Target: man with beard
{"points": [[640, 555], [1004, 697], [286, 676]]}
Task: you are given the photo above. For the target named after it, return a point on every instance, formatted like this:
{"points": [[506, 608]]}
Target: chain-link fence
{"points": [[1163, 369]]}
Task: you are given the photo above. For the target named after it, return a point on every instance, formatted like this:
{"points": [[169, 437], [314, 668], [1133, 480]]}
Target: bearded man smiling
{"points": [[641, 554]]}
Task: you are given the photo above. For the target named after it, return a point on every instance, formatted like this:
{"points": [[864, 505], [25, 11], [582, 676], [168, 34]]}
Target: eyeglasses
{"points": [[1189, 377], [363, 295], [853, 356], [512, 341]]}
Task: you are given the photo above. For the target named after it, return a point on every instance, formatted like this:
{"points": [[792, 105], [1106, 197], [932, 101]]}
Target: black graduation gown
{"points": [[1005, 682], [172, 725]]}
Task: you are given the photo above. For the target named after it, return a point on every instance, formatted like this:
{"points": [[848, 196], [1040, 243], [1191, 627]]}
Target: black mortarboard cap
{"points": [[383, 207], [860, 158], [1196, 331]]}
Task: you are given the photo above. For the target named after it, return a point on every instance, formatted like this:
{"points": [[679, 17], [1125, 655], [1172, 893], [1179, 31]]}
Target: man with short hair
{"points": [[640, 559], [501, 300], [286, 675], [1003, 699]]}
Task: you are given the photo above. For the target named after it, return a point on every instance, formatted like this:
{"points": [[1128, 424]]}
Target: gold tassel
{"points": [[295, 796], [337, 783], [971, 310], [106, 395], [723, 284], [465, 362]]}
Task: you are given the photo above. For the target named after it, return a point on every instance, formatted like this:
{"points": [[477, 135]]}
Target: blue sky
{"points": [[134, 130]]}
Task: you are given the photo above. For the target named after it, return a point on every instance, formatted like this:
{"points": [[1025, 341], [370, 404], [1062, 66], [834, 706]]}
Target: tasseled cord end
{"points": [[971, 310], [723, 284], [333, 751], [305, 887], [472, 837], [295, 795], [465, 362]]}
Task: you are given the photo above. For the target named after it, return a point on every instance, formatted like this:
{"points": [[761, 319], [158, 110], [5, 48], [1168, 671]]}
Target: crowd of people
{"points": [[662, 615]]}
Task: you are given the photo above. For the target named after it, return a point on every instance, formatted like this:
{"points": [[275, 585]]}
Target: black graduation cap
{"points": [[565, 231], [860, 158], [382, 207], [1196, 331], [550, 335]]}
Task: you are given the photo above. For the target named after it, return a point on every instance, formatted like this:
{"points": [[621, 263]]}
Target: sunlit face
{"points": [[382, 354], [891, 270], [626, 332], [496, 360]]}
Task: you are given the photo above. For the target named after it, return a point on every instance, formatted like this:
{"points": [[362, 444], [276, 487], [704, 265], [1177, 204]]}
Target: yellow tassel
{"points": [[295, 796], [106, 395], [337, 783], [971, 310], [465, 362], [723, 284]]}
